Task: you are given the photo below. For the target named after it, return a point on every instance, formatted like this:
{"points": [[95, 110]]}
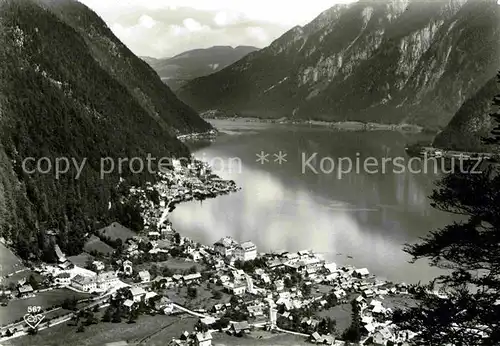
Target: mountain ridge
{"points": [[472, 123], [374, 61], [65, 94], [179, 69]]}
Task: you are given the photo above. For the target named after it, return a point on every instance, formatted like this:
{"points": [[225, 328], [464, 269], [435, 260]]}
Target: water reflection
{"points": [[366, 216]]}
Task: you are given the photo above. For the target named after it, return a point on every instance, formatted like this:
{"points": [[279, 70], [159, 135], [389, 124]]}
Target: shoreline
{"points": [[356, 282], [354, 126]]}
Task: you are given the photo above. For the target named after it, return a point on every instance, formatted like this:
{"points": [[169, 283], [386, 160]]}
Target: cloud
{"points": [[257, 32], [147, 22], [161, 28], [192, 25]]}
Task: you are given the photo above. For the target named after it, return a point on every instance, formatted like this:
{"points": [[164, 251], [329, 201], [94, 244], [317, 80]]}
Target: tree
{"points": [[166, 271], [468, 314], [192, 292], [177, 238], [107, 315], [32, 281], [216, 294], [306, 289], [153, 270], [192, 270]]}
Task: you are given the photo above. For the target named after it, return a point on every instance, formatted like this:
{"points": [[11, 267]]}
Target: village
{"points": [[229, 286]]}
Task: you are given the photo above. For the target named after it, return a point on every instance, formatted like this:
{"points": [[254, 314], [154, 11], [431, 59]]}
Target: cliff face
{"points": [[180, 69], [472, 122], [70, 89], [388, 61]]}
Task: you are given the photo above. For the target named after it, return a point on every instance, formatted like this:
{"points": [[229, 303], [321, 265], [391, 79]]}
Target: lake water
{"points": [[361, 218]]}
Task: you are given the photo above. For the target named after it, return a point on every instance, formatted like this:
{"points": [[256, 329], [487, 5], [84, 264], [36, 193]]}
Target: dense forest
{"points": [[471, 123], [58, 99]]}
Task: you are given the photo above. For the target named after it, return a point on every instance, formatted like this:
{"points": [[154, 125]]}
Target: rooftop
{"points": [[248, 245]]}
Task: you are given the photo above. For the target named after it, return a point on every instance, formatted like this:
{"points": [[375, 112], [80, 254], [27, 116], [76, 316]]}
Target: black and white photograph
{"points": [[249, 173]]}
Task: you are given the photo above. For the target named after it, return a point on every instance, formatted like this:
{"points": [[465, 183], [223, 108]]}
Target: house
{"points": [[145, 276], [279, 285], [25, 290], [154, 235], [164, 304], [106, 280], [225, 246], [63, 279], [98, 265], [192, 277], [235, 288], [196, 256], [84, 283], [127, 267], [331, 267], [246, 251], [128, 304], [149, 295], [239, 289], [368, 293], [203, 339], [138, 293], [316, 338], [239, 328], [65, 265], [361, 273]]}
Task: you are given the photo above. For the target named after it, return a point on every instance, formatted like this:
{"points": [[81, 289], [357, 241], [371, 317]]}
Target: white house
{"points": [[203, 339], [127, 267], [191, 277], [138, 293], [145, 276], [279, 285], [361, 273], [225, 246], [150, 295], [128, 304], [63, 279], [196, 256], [106, 280], [237, 288], [98, 265], [25, 290], [247, 251], [84, 283]]}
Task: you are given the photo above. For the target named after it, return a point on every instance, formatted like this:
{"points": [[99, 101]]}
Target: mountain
{"points": [[472, 121], [69, 89], [178, 70], [392, 61]]}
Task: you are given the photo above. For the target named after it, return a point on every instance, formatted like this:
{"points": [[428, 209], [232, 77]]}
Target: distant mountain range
{"points": [[69, 89], [386, 61], [178, 70]]}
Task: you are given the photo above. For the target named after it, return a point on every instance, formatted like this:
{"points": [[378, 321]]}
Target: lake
{"points": [[362, 217]]}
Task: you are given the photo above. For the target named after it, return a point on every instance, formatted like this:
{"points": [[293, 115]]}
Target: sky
{"points": [[164, 28]]}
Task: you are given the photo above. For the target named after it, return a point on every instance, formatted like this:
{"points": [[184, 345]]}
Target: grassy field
{"points": [[148, 330], [95, 244], [178, 265], [203, 300], [9, 262], [24, 274], [17, 308], [117, 231], [81, 259], [259, 338], [341, 314]]}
